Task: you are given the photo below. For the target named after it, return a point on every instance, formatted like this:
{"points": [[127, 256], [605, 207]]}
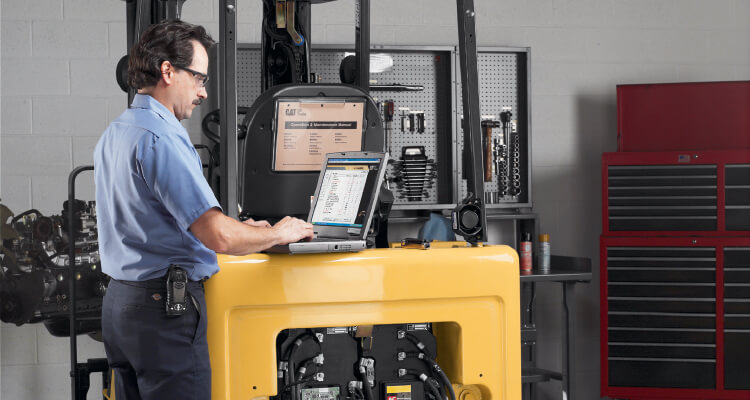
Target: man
{"points": [[156, 212]]}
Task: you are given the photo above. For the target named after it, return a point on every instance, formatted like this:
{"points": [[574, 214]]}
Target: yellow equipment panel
{"points": [[471, 295]]}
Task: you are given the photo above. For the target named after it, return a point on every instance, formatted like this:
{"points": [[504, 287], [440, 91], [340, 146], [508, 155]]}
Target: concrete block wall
{"points": [[58, 93]]}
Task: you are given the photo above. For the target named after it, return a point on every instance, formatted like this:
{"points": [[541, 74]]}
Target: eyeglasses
{"points": [[201, 77]]}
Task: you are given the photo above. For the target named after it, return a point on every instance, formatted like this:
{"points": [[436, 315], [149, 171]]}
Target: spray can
{"points": [[544, 253], [525, 253]]}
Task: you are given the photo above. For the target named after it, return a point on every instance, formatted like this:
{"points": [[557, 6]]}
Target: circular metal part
{"points": [[43, 229], [469, 219], [121, 73]]}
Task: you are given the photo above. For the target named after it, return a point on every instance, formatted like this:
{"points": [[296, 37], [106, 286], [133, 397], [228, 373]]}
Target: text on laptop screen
{"points": [[345, 192], [307, 130]]}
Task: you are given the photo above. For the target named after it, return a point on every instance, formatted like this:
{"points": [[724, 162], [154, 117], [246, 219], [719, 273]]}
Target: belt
{"points": [[156, 283]]}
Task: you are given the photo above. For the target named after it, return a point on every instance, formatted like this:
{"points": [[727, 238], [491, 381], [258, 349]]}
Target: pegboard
{"points": [[409, 68], [436, 69], [249, 75], [502, 83]]}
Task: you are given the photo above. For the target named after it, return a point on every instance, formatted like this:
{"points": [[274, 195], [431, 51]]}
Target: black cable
{"points": [[288, 353], [415, 340], [306, 378], [211, 160], [46, 259], [214, 116], [292, 348], [211, 118], [446, 381], [365, 383], [419, 374], [440, 388], [441, 374], [25, 213], [298, 342], [306, 362]]}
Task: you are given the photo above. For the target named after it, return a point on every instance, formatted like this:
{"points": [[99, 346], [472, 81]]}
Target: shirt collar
{"points": [[149, 103]]}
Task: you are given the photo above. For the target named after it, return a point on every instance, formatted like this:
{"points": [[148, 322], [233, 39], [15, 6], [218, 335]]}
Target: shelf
{"points": [[562, 269], [536, 375]]}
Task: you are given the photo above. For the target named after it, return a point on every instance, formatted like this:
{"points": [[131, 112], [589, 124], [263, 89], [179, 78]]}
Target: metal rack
{"points": [[505, 81]]}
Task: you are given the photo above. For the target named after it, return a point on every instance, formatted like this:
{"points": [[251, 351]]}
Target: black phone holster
{"points": [[177, 295]]}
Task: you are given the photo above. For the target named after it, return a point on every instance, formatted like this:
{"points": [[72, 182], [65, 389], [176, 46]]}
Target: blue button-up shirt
{"points": [[149, 189]]}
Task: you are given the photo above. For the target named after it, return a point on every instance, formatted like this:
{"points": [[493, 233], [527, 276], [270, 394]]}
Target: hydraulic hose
{"points": [[423, 377], [436, 368], [365, 383]]}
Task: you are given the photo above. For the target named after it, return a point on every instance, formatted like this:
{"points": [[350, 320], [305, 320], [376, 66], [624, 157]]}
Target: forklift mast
{"points": [[468, 218], [286, 54]]}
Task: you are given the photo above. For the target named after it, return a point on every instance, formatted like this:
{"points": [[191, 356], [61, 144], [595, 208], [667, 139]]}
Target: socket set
{"points": [[502, 157]]}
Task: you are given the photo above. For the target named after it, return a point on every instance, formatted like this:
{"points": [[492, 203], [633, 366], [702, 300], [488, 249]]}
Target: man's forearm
{"points": [[225, 235]]}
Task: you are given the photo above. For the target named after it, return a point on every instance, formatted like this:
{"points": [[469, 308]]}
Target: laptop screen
{"points": [[345, 192], [305, 130]]}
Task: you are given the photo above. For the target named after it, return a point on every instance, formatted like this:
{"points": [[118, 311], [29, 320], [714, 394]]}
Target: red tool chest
{"points": [[683, 116], [675, 244]]}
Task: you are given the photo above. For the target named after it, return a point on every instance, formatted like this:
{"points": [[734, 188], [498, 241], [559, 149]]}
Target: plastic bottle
{"points": [[524, 253], [544, 253]]}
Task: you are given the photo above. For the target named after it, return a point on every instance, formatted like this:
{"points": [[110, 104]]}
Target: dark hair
{"points": [[166, 41]]}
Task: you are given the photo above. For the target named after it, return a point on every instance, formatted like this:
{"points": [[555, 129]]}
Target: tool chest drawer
{"points": [[676, 193], [675, 317]]}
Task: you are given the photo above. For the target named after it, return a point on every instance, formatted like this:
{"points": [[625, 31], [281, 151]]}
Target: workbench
{"points": [[568, 271]]}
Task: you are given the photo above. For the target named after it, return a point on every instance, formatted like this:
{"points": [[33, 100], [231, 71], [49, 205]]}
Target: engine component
{"points": [[358, 363], [286, 27], [34, 269], [320, 393]]}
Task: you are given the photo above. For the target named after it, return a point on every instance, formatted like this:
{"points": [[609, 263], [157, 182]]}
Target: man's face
{"points": [[189, 90]]}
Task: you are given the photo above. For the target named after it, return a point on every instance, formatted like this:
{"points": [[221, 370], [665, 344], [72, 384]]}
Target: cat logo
{"points": [[291, 111]]}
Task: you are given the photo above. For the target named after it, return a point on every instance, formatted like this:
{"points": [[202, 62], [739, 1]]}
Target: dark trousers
{"points": [[155, 356]]}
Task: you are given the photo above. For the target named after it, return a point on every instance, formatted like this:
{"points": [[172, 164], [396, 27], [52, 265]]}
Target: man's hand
{"points": [[259, 224], [292, 230]]}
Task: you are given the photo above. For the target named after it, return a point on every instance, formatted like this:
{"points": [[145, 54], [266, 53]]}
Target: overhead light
{"points": [[379, 62]]}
